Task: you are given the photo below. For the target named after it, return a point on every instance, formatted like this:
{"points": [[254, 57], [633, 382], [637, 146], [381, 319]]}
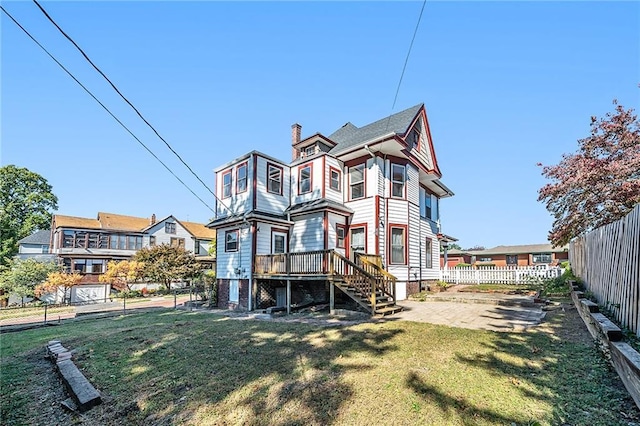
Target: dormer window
{"points": [[310, 150]]}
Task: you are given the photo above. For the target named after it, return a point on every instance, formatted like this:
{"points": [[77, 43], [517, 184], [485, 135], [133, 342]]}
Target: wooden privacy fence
{"points": [[607, 260], [499, 274]]}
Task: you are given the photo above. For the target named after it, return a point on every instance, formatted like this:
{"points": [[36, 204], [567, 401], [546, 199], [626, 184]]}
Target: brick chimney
{"points": [[153, 219], [296, 131]]}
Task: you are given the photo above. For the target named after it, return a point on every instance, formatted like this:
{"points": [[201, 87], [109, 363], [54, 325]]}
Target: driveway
{"points": [[475, 313]]}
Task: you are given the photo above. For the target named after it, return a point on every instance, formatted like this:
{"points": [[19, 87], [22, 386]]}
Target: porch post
{"points": [[332, 297], [288, 297]]}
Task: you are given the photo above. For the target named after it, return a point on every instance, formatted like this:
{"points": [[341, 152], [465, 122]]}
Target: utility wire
{"points": [[395, 98], [104, 107], [128, 102]]}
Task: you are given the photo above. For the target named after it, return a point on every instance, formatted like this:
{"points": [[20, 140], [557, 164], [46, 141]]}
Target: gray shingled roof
{"points": [[38, 237], [350, 136], [319, 204]]}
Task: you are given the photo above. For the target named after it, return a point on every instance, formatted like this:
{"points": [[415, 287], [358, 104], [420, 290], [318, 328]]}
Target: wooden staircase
{"points": [[368, 284]]}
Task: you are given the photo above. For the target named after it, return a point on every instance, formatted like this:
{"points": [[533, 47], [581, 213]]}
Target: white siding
{"points": [[412, 184], [330, 194], [372, 179], [263, 243], [267, 201], [317, 175], [424, 154], [307, 233], [158, 230], [264, 235], [428, 230], [238, 203], [335, 219], [382, 179], [398, 211], [365, 211], [227, 262], [414, 240]]}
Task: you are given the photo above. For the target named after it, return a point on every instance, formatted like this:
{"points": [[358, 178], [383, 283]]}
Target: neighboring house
{"points": [[454, 257], [87, 245], [520, 255], [291, 232], [36, 246]]}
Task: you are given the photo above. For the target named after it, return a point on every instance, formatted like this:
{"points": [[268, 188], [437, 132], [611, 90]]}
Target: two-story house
{"points": [[86, 245], [357, 211]]}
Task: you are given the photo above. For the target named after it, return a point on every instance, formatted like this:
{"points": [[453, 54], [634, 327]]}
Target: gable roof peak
{"points": [[350, 136]]}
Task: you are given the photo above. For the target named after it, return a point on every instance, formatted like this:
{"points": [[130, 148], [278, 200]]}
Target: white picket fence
{"points": [[498, 274]]}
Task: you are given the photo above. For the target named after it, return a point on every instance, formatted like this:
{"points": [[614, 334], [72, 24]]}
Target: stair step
{"points": [[389, 310]]}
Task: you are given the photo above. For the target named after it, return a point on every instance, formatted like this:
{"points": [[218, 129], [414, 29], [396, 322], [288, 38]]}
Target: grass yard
{"points": [[177, 367]]}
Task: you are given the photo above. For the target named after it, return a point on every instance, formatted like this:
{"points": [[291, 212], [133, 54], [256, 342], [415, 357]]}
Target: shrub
{"points": [[462, 265]]}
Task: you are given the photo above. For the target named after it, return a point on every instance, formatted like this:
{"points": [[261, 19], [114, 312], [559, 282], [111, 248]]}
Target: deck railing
{"points": [[365, 275], [302, 263]]}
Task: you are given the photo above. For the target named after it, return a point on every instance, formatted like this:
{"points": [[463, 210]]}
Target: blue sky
{"points": [[506, 85]]}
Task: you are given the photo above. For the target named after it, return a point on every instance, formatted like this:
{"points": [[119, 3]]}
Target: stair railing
{"points": [[362, 281]]}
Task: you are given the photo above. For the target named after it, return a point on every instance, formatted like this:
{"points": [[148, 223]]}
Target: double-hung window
{"points": [[304, 179], [398, 245], [428, 253], [340, 236], [334, 179], [356, 182], [427, 205], [226, 184], [274, 179], [231, 241], [397, 180], [241, 178]]}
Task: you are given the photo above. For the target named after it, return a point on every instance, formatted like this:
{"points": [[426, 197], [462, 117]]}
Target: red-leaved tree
{"points": [[600, 183]]}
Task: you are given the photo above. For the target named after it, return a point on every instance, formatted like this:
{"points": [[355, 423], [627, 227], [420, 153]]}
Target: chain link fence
{"points": [[196, 296]]}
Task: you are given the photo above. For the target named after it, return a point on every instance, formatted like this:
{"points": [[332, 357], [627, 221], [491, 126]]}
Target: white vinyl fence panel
{"points": [[498, 274]]}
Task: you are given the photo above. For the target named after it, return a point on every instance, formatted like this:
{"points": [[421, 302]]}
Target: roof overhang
{"points": [[446, 238], [239, 219]]}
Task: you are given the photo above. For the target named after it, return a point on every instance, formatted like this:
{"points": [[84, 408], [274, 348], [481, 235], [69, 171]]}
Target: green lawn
{"points": [[177, 367]]}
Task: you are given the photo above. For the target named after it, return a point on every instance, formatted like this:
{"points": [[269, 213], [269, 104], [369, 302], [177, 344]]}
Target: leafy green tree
{"points": [[26, 204], [22, 276], [166, 264]]}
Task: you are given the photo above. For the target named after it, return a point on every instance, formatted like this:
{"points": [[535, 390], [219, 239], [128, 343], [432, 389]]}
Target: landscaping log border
{"points": [[625, 359], [84, 395]]}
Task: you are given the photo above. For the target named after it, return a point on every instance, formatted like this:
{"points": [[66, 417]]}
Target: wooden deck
{"points": [[364, 281]]}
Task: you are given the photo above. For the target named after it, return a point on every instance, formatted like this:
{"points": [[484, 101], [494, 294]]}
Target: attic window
{"points": [[310, 150], [413, 140], [170, 227]]}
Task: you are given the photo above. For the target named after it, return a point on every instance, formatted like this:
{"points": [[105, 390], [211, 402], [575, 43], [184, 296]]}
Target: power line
{"points": [[104, 107], [127, 101], [395, 98]]}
